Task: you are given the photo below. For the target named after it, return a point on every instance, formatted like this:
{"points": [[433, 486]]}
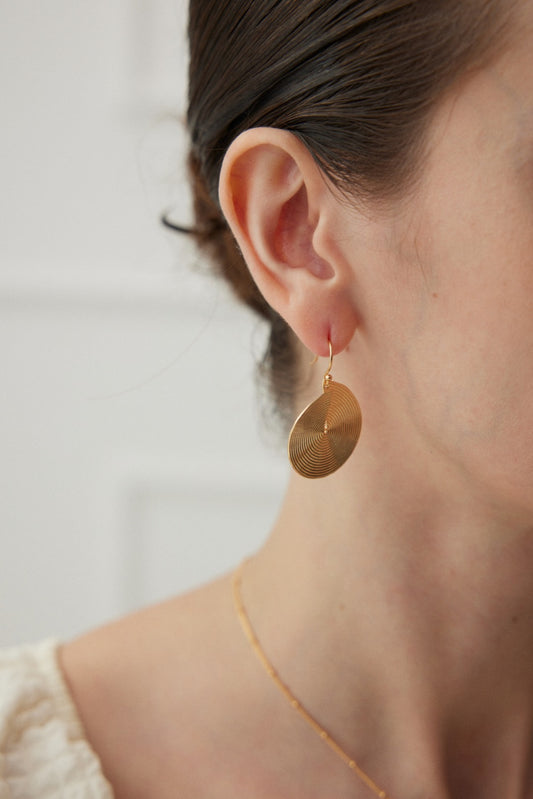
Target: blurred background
{"points": [[136, 462]]}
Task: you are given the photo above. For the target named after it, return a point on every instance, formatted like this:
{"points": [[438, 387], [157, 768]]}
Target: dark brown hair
{"points": [[354, 80]]}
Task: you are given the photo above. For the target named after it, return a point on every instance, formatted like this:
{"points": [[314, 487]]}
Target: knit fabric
{"points": [[43, 751]]}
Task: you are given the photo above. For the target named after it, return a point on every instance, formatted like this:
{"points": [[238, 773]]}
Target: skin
{"points": [[395, 597]]}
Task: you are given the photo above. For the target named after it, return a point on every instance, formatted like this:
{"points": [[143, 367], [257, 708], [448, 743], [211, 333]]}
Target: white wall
{"points": [[133, 461]]}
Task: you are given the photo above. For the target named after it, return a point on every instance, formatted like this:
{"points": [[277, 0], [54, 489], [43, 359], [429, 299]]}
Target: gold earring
{"points": [[325, 434]]}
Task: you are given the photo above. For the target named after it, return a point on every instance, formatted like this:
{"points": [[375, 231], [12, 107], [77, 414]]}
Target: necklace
{"points": [[286, 691]]}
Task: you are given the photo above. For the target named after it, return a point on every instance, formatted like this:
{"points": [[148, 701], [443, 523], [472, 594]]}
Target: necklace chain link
{"points": [[286, 691]]}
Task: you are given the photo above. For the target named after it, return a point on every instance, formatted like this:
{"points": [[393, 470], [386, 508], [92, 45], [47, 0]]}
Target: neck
{"points": [[417, 609]]}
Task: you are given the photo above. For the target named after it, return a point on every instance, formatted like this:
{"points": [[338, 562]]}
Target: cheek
{"points": [[467, 362], [466, 346]]}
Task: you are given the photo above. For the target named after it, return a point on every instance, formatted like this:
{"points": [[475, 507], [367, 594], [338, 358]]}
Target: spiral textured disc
{"points": [[325, 434]]}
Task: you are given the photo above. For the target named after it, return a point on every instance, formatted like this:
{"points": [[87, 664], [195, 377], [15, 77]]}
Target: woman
{"points": [[374, 163]]}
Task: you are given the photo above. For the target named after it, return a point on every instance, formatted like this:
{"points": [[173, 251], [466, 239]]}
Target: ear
{"points": [[285, 218]]}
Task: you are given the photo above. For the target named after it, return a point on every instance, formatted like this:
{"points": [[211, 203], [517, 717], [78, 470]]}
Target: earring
{"points": [[325, 434]]}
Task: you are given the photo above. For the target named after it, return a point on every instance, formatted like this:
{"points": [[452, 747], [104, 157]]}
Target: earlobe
{"points": [[277, 203]]}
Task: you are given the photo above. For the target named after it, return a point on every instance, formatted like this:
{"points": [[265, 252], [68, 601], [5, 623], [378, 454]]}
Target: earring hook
{"points": [[328, 370], [330, 358], [327, 377]]}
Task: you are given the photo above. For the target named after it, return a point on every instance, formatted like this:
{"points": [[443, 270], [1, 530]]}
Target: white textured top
{"points": [[43, 750]]}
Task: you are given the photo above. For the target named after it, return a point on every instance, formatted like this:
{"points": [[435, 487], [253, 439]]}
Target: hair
{"points": [[354, 80]]}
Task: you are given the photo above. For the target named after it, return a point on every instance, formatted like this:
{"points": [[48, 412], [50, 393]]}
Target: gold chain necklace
{"points": [[286, 691]]}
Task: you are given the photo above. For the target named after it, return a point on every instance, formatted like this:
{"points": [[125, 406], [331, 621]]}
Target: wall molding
{"points": [[134, 482], [114, 290]]}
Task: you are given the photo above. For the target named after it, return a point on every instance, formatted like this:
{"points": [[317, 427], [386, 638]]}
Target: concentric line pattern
{"points": [[325, 434]]}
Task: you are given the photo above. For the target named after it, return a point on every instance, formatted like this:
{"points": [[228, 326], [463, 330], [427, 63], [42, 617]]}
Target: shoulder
{"points": [[143, 685], [43, 750]]}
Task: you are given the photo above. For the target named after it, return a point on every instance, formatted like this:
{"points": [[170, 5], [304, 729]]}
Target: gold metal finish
{"points": [[325, 434], [286, 691], [330, 359]]}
